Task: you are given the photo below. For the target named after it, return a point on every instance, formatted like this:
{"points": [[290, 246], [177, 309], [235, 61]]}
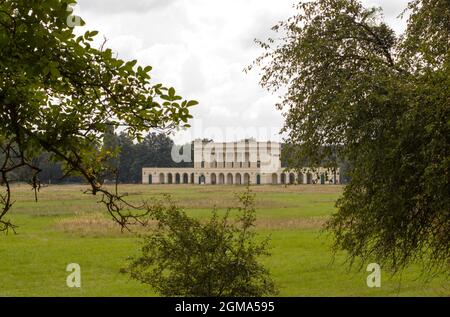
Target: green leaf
{"points": [[192, 103], [171, 92]]}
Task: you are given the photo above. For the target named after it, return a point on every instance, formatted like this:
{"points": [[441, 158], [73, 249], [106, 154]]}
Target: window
{"points": [[203, 164], [258, 164]]}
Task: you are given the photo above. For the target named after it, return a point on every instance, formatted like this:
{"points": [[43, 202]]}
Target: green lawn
{"points": [[67, 226]]}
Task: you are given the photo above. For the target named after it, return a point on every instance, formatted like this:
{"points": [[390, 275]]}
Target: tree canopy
{"points": [[60, 95], [353, 87]]}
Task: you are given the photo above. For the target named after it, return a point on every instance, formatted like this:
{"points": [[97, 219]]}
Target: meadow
{"points": [[67, 226]]}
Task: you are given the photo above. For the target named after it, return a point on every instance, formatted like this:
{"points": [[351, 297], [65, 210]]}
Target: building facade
{"points": [[242, 162]]}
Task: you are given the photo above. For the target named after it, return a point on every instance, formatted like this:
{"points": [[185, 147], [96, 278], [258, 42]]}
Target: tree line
{"points": [[130, 157]]}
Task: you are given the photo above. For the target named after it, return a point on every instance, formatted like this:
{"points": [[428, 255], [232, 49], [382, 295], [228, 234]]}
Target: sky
{"points": [[201, 47]]}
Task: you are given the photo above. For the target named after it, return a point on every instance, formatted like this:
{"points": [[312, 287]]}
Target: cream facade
{"points": [[242, 162]]}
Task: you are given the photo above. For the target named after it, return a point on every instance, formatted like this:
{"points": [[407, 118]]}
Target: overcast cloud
{"points": [[201, 47]]}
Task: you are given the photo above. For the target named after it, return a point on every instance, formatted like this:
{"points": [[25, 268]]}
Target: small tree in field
{"points": [[186, 257]]}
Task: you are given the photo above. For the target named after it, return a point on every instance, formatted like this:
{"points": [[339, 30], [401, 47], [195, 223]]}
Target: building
{"points": [[241, 162]]}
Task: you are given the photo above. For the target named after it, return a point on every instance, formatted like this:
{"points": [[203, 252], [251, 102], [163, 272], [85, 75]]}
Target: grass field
{"points": [[67, 226]]}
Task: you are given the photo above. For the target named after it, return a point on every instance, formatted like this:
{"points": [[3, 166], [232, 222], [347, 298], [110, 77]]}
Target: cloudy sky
{"points": [[201, 47]]}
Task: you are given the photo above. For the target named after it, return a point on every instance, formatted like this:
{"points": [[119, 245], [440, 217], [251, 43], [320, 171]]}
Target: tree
{"points": [[127, 156], [158, 148], [382, 101], [110, 145], [186, 257], [154, 151], [59, 95]]}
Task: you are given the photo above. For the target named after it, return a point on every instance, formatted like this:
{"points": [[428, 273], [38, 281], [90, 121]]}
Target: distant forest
{"points": [[154, 151]]}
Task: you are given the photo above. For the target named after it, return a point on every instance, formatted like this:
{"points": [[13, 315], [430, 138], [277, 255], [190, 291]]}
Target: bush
{"points": [[187, 257]]}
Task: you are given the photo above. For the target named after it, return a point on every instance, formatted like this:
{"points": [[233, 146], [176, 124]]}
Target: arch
{"points": [[238, 179], [247, 179], [274, 178], [322, 179], [213, 178], [150, 179], [283, 178], [169, 178], [221, 178], [300, 178], [291, 178], [230, 178], [192, 178], [308, 178], [201, 179], [185, 178], [258, 179], [177, 178], [161, 178]]}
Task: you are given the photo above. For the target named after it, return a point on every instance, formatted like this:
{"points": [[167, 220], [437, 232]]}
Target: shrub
{"points": [[184, 256]]}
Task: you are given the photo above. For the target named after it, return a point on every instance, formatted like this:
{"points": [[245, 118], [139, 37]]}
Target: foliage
{"points": [[60, 95], [381, 102], [154, 151], [186, 257]]}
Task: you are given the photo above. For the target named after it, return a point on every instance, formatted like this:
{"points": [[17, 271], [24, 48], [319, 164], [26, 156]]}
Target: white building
{"points": [[239, 162]]}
